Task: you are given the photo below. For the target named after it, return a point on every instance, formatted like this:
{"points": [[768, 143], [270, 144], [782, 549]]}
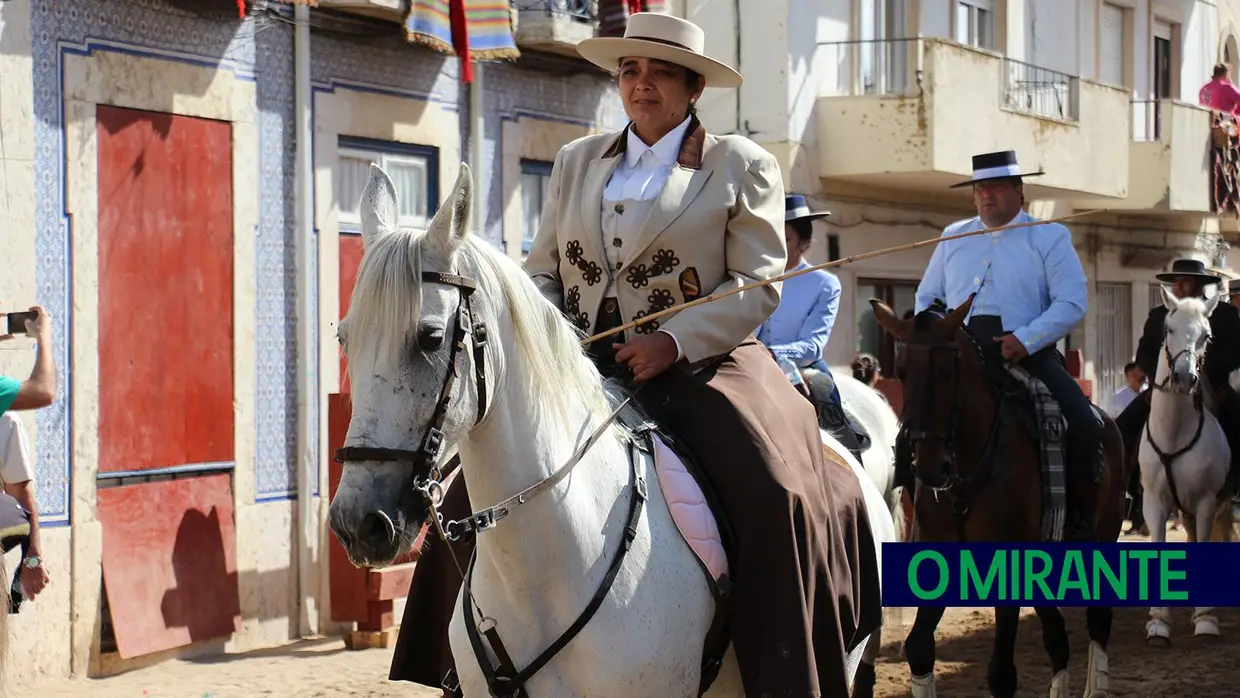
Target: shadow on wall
{"points": [[201, 572]]}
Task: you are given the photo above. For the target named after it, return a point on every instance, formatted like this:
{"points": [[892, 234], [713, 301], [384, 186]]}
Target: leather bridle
{"points": [[1167, 459], [428, 476]]}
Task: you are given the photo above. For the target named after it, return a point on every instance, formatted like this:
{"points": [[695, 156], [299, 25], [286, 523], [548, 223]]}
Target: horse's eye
{"points": [[430, 338]]}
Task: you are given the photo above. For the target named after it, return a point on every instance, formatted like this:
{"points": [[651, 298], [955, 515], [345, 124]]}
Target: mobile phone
{"points": [[17, 321]]}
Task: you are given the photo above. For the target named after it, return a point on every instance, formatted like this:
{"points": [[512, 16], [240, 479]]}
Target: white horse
{"points": [[871, 409], [525, 409], [1184, 456]]}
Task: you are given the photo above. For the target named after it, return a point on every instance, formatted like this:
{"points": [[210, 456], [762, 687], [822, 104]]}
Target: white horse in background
{"points": [[1184, 442], [871, 409], [541, 564]]}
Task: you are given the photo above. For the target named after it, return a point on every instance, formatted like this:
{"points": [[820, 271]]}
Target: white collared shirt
{"points": [[643, 173]]}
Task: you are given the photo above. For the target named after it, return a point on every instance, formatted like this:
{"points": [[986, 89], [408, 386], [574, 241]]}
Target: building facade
{"points": [[156, 206], [874, 107]]}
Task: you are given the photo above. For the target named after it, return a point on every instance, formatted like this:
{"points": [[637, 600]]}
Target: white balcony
{"points": [[394, 10], [1169, 162], [555, 26], [910, 115]]}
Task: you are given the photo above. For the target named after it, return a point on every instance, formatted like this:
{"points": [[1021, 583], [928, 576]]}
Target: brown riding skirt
{"points": [[804, 572]]}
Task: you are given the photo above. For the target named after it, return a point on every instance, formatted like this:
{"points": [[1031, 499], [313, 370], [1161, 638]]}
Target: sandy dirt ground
{"points": [[324, 669]]}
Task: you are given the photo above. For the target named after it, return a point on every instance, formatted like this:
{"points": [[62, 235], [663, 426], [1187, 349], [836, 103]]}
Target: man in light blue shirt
{"points": [[798, 330], [1031, 292]]}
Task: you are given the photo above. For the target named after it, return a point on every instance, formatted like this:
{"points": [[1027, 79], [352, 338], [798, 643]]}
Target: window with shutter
{"points": [[413, 170], [975, 23], [535, 178], [1111, 45]]}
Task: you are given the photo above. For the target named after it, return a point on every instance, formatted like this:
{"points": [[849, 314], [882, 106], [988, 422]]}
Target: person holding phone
{"points": [[16, 465]]}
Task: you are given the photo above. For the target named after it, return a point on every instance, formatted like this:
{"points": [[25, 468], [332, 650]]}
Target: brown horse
{"points": [[958, 420]]}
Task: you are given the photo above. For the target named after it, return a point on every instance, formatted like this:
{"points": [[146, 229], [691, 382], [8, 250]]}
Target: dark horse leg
{"points": [[1001, 676], [1055, 640], [919, 649]]}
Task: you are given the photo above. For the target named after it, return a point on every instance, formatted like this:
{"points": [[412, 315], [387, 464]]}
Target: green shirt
{"points": [[8, 392]]}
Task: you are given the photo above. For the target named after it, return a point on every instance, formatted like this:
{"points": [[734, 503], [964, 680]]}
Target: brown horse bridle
{"points": [[955, 481]]}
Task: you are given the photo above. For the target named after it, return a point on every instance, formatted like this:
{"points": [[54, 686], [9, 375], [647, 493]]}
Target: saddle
{"points": [[1030, 402], [683, 502]]}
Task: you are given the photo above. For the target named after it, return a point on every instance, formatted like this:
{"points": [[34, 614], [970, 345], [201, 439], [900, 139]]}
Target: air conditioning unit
{"points": [[382, 9]]}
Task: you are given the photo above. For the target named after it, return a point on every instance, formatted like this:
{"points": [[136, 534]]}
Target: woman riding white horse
{"points": [[647, 219]]}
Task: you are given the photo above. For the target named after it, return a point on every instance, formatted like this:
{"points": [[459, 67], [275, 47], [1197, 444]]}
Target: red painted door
{"points": [[166, 375], [350, 262]]}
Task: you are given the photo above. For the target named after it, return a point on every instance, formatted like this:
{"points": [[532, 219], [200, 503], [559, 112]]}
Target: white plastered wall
{"points": [[528, 137], [264, 547], [362, 114]]}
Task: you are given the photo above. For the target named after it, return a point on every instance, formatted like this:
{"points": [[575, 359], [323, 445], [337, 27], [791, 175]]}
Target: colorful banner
{"points": [[470, 29]]}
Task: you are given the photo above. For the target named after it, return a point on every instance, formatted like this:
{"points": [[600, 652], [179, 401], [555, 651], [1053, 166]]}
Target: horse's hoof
{"points": [[1060, 684], [923, 686], [1158, 633], [1206, 627]]}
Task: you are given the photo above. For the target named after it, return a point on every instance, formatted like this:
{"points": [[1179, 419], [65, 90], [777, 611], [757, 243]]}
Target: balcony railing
{"points": [[576, 10], [1039, 91], [1147, 123], [869, 66]]}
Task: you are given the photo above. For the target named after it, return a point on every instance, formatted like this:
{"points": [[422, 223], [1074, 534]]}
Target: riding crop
{"points": [[855, 258]]}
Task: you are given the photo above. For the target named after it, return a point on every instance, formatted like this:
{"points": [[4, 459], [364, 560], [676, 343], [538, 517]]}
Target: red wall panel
{"points": [[165, 290], [169, 560]]}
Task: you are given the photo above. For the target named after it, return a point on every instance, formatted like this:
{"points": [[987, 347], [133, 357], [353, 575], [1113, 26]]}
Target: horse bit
{"points": [[503, 680]]}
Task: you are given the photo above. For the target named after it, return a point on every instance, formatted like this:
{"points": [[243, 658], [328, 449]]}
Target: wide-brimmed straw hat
{"points": [[1189, 267], [662, 38]]}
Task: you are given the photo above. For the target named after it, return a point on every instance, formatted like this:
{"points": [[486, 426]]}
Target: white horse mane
{"points": [[387, 300]]}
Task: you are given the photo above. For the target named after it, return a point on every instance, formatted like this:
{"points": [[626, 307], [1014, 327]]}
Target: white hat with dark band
{"points": [[1000, 165]]}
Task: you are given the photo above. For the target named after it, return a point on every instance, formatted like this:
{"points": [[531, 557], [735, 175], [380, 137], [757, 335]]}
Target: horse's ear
{"points": [[956, 318], [377, 206], [888, 320], [1169, 300], [451, 223], [1213, 301]]}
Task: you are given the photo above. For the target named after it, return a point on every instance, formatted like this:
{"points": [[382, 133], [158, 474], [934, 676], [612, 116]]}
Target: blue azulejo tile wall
{"points": [[257, 48]]}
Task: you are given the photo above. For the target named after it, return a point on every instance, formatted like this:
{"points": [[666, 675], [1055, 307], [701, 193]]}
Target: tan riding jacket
{"points": [[717, 224]]}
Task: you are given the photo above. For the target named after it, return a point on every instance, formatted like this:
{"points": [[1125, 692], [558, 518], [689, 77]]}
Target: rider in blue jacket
{"points": [[798, 330]]}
